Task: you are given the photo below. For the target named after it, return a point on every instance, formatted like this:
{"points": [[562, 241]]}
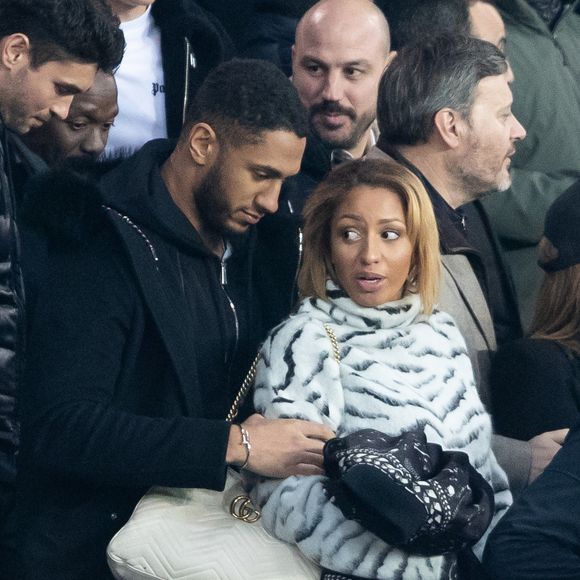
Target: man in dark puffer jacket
{"points": [[50, 50]]}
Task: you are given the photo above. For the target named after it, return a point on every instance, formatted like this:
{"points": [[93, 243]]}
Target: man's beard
{"points": [[475, 182], [360, 125], [210, 201]]}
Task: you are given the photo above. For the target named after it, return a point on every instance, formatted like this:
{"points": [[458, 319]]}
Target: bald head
{"points": [[337, 18], [340, 52], [487, 23]]}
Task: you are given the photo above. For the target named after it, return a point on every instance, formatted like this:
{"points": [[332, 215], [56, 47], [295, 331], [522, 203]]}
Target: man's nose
{"points": [[94, 142], [333, 89], [62, 106], [267, 200], [518, 132]]}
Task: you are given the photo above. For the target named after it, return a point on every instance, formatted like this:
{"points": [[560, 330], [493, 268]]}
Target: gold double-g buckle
{"points": [[243, 509]]}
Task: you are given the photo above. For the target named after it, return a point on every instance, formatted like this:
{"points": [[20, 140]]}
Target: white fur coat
{"points": [[399, 370]]}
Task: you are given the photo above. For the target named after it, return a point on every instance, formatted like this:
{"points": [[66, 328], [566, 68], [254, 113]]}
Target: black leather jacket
{"points": [[11, 321], [193, 42]]}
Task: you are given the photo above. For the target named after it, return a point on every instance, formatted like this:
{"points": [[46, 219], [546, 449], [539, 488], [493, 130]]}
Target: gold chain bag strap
{"points": [[244, 389], [241, 506], [204, 534]]}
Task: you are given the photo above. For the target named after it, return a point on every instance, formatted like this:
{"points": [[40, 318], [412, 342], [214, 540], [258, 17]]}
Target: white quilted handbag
{"points": [[191, 534], [200, 534]]}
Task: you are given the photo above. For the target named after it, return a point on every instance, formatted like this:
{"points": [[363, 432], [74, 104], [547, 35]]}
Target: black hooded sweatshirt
{"points": [[135, 358]]}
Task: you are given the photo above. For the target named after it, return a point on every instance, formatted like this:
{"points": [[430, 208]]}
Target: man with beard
{"points": [[444, 110], [159, 315], [340, 51], [50, 50]]}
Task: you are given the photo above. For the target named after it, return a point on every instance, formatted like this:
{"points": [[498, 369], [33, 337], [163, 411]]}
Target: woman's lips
{"points": [[369, 282]]}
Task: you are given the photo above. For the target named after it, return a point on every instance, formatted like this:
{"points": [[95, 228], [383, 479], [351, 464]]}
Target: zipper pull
{"points": [[223, 273]]}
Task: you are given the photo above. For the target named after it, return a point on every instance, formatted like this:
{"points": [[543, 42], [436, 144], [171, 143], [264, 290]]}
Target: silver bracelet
{"points": [[247, 446]]}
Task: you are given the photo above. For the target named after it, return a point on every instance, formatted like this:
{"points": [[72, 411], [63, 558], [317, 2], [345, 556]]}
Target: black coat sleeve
{"points": [[531, 389], [88, 326], [539, 538]]}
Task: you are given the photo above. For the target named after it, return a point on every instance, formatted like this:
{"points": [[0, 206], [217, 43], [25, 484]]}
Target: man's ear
{"points": [[390, 57], [15, 51], [449, 126], [203, 143]]}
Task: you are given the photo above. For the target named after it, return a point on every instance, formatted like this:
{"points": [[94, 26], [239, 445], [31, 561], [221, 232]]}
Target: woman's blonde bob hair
{"points": [[320, 210], [557, 311]]}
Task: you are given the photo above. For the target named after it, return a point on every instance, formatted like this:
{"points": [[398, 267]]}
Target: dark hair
{"points": [[411, 20], [242, 98], [80, 30], [492, 2], [428, 76]]}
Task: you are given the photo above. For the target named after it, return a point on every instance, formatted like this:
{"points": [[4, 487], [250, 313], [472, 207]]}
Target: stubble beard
{"points": [[360, 126], [474, 181], [210, 202]]}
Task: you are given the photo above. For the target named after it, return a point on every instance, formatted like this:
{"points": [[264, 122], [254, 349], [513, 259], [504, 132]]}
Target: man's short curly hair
{"points": [[81, 30], [243, 98]]}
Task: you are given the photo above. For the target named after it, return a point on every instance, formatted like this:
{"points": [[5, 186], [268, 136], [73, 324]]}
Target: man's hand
{"points": [[282, 447], [544, 447]]}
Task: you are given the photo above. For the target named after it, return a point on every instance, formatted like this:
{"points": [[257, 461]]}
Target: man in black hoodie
{"points": [[144, 333]]}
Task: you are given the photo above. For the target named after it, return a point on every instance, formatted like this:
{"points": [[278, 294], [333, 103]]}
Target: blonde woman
{"points": [[370, 280]]}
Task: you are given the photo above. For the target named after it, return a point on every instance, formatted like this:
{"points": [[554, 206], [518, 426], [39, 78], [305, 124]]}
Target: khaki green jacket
{"points": [[546, 91]]}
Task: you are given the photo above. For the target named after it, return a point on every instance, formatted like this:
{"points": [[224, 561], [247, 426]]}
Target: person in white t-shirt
{"points": [[171, 45]]}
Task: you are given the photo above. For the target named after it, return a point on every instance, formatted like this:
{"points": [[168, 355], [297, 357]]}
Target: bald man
{"points": [[341, 49], [85, 131], [486, 22]]}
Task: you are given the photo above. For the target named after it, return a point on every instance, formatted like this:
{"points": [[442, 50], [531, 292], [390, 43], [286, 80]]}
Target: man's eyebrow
{"points": [[310, 58], [268, 171], [69, 88], [363, 62], [359, 62]]}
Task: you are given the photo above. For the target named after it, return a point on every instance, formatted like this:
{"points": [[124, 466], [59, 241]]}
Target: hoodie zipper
{"points": [[298, 264], [223, 283], [300, 241]]}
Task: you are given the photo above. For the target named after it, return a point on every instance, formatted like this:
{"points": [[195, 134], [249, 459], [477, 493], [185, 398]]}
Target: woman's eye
{"points": [[350, 235], [390, 235]]}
